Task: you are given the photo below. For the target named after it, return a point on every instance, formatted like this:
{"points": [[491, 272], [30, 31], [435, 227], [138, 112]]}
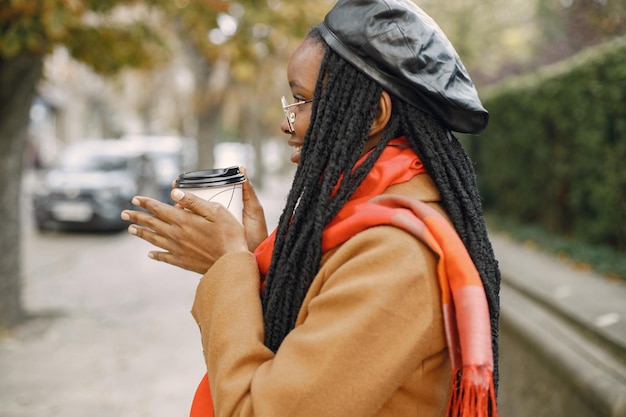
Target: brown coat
{"points": [[369, 339]]}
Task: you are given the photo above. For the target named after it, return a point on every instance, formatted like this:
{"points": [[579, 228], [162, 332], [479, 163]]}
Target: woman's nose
{"points": [[284, 126]]}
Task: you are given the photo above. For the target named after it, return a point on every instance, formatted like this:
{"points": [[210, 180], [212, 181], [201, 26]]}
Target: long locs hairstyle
{"points": [[344, 107]]}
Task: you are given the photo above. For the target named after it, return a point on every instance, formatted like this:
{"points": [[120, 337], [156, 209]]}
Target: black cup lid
{"points": [[210, 178]]}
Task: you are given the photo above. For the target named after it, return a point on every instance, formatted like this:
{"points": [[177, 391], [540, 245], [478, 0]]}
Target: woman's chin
{"points": [[295, 157]]}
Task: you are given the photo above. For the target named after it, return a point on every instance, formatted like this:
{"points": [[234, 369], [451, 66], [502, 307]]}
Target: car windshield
{"points": [[84, 161]]}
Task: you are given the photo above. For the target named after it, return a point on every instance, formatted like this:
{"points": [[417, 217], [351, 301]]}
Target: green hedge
{"points": [[554, 153]]}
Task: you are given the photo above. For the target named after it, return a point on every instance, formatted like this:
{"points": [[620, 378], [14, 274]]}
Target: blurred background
{"points": [[101, 100]]}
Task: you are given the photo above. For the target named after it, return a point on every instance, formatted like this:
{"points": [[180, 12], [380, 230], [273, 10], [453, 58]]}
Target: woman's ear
{"points": [[383, 114]]}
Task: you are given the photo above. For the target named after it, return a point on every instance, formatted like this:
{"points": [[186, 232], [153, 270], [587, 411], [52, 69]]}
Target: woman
{"points": [[350, 319]]}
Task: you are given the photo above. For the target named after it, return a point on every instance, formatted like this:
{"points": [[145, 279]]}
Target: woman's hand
{"points": [[253, 216], [192, 239], [195, 238]]}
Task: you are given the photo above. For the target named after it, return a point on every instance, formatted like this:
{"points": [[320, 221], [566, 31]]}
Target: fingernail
{"points": [[177, 194], [132, 230], [125, 216], [135, 201], [151, 255]]}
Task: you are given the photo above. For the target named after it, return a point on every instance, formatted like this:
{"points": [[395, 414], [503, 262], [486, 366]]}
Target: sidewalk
{"points": [[111, 334], [585, 298]]}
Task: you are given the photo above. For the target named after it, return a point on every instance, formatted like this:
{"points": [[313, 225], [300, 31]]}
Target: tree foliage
{"points": [[231, 46], [91, 30], [568, 26], [243, 33]]}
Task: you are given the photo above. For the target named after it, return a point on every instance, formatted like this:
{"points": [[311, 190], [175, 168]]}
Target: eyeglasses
{"points": [[290, 115]]}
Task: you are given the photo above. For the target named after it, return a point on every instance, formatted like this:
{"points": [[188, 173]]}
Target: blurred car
{"points": [[169, 155], [93, 181]]}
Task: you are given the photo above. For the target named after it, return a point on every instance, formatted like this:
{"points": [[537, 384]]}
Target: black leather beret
{"points": [[397, 44]]}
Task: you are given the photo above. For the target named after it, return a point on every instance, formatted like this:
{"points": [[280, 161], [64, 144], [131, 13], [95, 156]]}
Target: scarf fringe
{"points": [[474, 395]]}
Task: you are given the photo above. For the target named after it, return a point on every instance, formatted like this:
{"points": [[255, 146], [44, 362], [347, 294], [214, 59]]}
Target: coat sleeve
{"points": [[371, 318]]}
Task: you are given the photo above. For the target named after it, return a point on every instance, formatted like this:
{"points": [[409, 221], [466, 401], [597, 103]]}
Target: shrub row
{"points": [[554, 153]]}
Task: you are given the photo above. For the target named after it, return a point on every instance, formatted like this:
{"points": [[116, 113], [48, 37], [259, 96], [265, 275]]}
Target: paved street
{"points": [[111, 336]]}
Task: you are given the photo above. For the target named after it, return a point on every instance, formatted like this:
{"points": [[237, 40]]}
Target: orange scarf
{"points": [[397, 164], [465, 310]]}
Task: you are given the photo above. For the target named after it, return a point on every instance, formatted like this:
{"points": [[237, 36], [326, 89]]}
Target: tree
{"points": [[571, 25], [224, 39], [244, 40], [28, 32], [490, 36]]}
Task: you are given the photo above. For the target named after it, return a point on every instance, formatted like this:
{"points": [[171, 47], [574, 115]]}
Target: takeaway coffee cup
{"points": [[221, 185]]}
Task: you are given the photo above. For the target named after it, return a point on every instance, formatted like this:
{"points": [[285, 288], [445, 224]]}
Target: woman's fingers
{"points": [[195, 204], [150, 226], [157, 214], [174, 231], [253, 216], [172, 259], [251, 202], [149, 236], [192, 238]]}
